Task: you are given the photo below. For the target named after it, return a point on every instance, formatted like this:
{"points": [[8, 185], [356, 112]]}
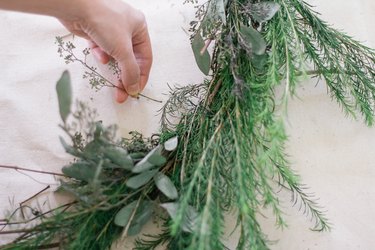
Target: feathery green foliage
{"points": [[230, 152], [232, 146]]}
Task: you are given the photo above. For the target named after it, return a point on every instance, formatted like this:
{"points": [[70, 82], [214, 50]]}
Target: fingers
{"points": [[136, 64], [121, 95], [98, 53], [130, 73], [143, 53]]}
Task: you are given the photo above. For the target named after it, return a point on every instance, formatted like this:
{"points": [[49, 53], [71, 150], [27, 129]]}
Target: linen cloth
{"points": [[333, 154]]}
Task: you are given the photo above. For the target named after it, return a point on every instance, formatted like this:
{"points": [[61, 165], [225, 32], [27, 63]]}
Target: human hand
{"points": [[115, 30]]}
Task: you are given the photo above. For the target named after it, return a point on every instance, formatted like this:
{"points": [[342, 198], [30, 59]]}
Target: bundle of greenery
{"points": [[225, 153]]}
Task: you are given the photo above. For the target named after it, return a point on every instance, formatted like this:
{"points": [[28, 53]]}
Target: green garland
{"points": [[227, 150]]}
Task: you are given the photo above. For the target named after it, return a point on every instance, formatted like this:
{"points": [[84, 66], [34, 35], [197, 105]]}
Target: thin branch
{"points": [[32, 197], [32, 170]]}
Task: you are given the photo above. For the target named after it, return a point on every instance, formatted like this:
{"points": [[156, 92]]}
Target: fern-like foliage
{"points": [[233, 142]]}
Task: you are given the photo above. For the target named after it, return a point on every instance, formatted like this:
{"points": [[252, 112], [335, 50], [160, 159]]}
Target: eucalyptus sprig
{"points": [[118, 184], [230, 152]]}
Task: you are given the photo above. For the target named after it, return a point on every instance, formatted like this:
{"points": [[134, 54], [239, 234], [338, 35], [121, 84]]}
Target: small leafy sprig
{"points": [[117, 184], [96, 80]]}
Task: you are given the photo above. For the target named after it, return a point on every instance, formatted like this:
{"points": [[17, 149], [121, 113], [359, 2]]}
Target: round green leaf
{"points": [[141, 179], [137, 155], [166, 186], [69, 149], [146, 163], [120, 157], [171, 144], [157, 160], [80, 171], [123, 216], [189, 220], [263, 11], [64, 94], [141, 216], [203, 60], [253, 39]]}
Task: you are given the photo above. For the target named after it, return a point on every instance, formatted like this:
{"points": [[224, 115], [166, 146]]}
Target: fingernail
{"points": [[133, 89]]}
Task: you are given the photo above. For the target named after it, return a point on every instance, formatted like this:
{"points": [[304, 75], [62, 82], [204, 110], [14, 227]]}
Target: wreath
{"points": [[221, 146]]}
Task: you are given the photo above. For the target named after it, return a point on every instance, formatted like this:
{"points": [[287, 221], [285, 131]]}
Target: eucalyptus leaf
{"points": [[137, 155], [120, 157], [253, 40], [69, 149], [263, 11], [134, 229], [189, 220], [220, 10], [93, 150], [171, 144], [259, 62], [141, 179], [166, 186], [203, 60], [142, 166], [123, 216], [146, 163], [157, 160], [80, 170], [64, 94], [141, 216]]}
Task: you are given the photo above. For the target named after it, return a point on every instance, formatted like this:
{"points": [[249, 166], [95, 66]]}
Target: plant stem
{"points": [[31, 170]]}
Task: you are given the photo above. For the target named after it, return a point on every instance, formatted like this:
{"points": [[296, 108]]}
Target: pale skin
{"points": [[114, 29]]}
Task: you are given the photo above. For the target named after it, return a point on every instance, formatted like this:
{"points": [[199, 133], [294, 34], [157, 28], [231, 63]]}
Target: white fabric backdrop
{"points": [[333, 154]]}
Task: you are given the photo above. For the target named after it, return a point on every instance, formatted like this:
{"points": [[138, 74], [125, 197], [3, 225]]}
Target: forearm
{"points": [[57, 8]]}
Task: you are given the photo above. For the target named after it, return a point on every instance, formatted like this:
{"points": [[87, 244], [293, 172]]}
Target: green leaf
{"points": [[134, 229], [166, 186], [123, 216], [137, 155], [93, 150], [120, 157], [69, 149], [171, 144], [80, 171], [189, 220], [142, 166], [149, 161], [157, 160], [64, 94], [141, 179], [263, 11], [259, 62], [144, 213], [141, 216], [203, 60], [220, 10], [253, 40]]}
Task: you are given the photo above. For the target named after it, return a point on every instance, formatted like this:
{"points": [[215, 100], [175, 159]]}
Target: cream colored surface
{"points": [[333, 154]]}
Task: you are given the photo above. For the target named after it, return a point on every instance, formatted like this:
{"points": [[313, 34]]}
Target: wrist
{"points": [[72, 10]]}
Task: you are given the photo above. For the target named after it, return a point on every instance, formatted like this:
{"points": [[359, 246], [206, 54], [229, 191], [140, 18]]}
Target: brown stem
{"points": [[38, 216], [32, 197], [151, 99], [18, 231], [31, 170], [110, 84], [207, 44]]}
